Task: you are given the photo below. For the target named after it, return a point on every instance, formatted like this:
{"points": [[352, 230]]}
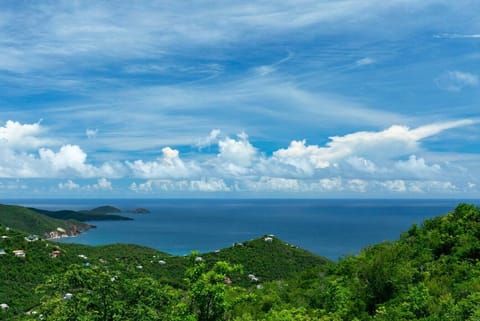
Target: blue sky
{"points": [[233, 99]]}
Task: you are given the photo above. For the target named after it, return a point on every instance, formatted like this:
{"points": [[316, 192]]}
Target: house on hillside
{"points": [[61, 230], [54, 235], [4, 306], [19, 253], [268, 239], [2, 252], [55, 254], [31, 238]]}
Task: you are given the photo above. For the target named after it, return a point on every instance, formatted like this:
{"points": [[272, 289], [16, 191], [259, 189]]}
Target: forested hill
{"points": [[431, 273], [24, 219], [103, 213], [265, 259]]}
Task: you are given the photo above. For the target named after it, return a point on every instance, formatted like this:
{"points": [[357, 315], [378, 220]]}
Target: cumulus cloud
{"points": [[209, 140], [23, 136], [361, 148], [236, 156], [390, 160], [417, 167], [69, 159], [395, 185], [168, 166], [102, 184], [456, 80], [200, 185], [68, 185], [275, 184]]}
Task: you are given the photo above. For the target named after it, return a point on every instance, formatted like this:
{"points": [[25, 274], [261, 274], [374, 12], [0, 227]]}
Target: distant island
{"points": [[108, 209], [101, 213]]}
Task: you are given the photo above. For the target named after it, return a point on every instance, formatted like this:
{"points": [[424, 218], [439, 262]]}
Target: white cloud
{"points": [[330, 184], [69, 185], [168, 166], [141, 187], [209, 140], [362, 165], [235, 155], [456, 80], [457, 36], [432, 186], [91, 133], [357, 185], [390, 143], [274, 184], [365, 61], [395, 185], [102, 184], [166, 185], [390, 160], [417, 167], [23, 136]]}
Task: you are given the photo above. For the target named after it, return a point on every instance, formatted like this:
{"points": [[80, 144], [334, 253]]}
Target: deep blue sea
{"points": [[332, 228]]}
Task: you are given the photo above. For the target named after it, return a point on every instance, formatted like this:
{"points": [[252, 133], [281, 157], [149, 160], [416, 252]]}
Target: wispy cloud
{"points": [[365, 61], [456, 80], [456, 36]]}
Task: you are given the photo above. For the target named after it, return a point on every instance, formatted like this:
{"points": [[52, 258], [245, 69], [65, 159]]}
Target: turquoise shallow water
{"points": [[331, 228]]}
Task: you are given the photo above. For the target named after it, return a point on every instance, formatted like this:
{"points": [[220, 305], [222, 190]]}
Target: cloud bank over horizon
{"points": [[365, 162]]}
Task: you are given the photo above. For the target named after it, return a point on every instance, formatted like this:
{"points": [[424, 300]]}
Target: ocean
{"points": [[331, 228]]}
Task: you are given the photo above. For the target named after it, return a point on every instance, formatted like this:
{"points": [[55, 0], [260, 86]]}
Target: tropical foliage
{"points": [[431, 273]]}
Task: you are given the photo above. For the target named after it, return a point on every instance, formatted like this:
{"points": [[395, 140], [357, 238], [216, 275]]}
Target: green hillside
{"points": [[432, 273], [29, 221], [271, 260]]}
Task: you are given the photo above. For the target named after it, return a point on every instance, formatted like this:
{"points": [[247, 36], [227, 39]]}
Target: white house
{"points": [[4, 306], [19, 253], [2, 252]]}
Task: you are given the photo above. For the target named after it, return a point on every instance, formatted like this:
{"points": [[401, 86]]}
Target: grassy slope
{"points": [[29, 221]]}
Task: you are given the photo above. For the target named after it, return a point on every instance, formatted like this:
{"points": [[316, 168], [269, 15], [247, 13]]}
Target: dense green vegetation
{"points": [[103, 213], [29, 221], [431, 273]]}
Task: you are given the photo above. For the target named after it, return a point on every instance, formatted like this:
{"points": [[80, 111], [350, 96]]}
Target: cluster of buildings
{"points": [[58, 233]]}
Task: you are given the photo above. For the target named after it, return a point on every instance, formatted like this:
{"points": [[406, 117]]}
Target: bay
{"points": [[332, 228]]}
